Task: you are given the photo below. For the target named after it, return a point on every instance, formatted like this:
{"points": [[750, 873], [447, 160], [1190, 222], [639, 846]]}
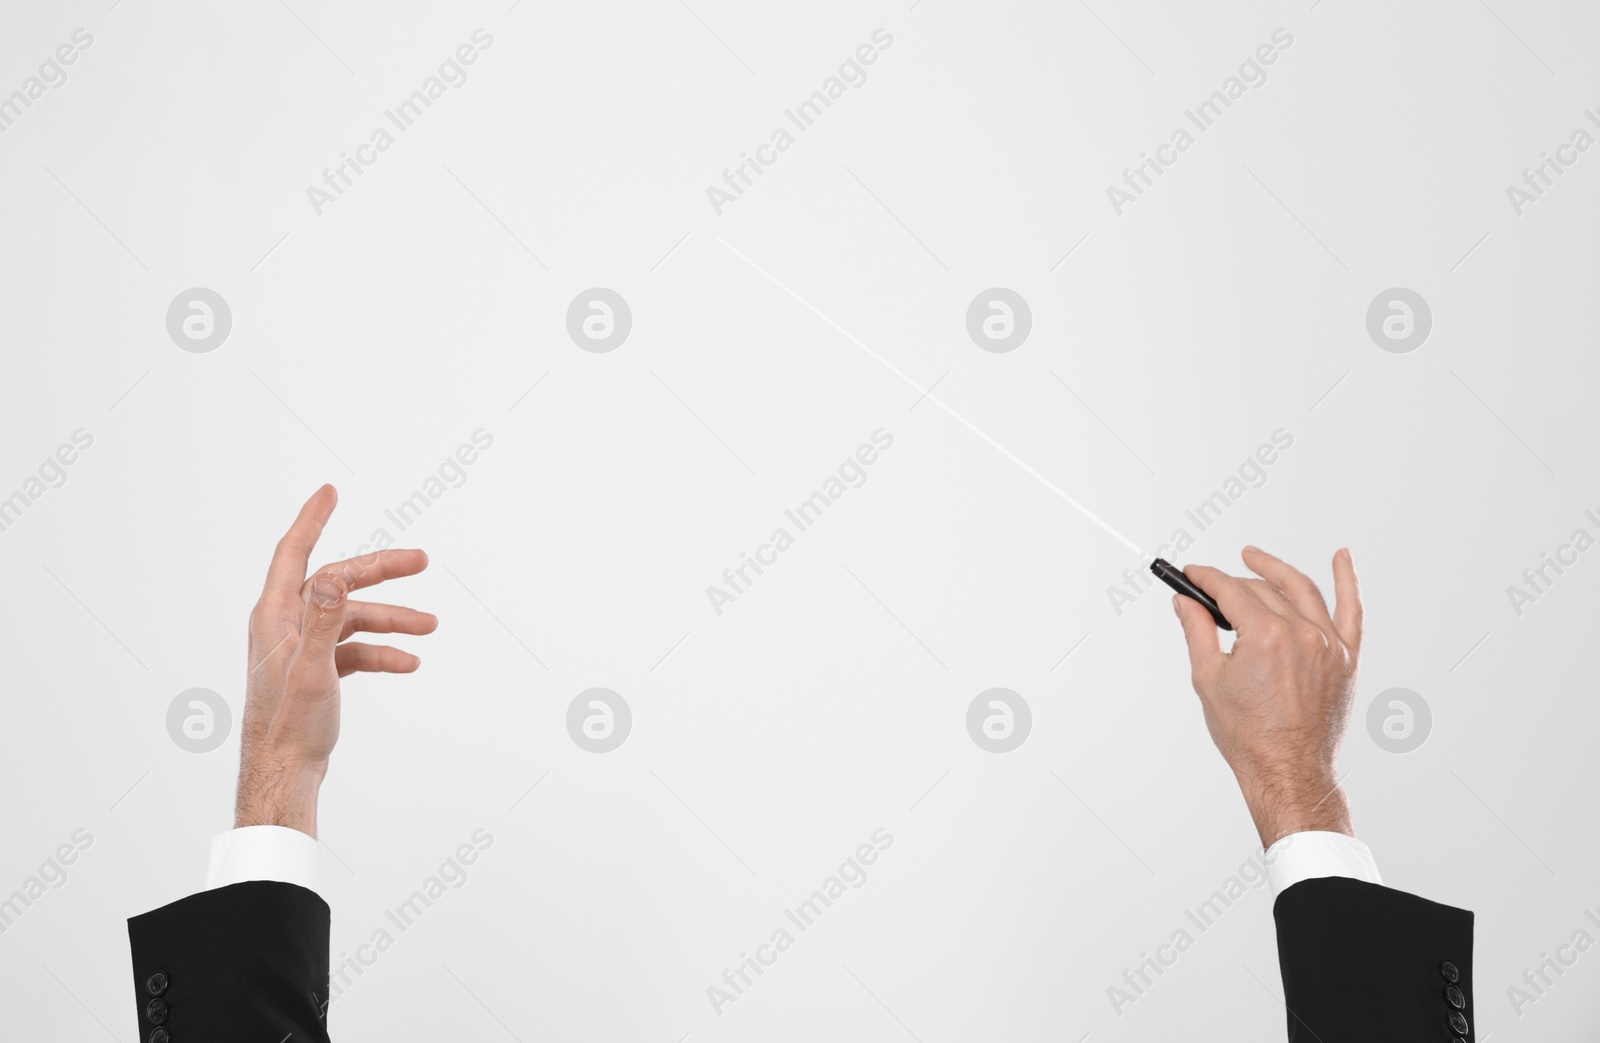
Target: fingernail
{"points": [[328, 590], [1177, 611]]}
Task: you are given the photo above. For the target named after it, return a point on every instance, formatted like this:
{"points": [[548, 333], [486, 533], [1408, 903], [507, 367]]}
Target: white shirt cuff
{"points": [[263, 853], [1312, 854]]}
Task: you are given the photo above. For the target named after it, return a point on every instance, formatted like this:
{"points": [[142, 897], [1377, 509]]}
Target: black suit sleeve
{"points": [[243, 962], [1366, 964]]}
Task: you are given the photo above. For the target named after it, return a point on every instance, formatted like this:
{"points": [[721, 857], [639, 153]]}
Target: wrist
{"points": [[278, 790], [1296, 802]]}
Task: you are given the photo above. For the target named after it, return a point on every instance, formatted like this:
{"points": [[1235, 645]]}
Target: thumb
{"points": [[1200, 631], [326, 600]]}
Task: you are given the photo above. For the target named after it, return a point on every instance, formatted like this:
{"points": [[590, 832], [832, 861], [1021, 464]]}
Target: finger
{"points": [[1200, 631], [369, 570], [1238, 602], [370, 618], [1297, 587], [326, 601], [375, 659], [292, 556], [1347, 597], [1273, 598]]}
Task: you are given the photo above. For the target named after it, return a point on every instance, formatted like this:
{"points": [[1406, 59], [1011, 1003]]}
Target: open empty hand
{"points": [[298, 653]]}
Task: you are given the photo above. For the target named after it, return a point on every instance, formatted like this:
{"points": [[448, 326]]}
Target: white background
{"points": [[827, 702]]}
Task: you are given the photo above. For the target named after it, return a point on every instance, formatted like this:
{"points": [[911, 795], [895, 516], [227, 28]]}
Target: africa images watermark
{"points": [[451, 876], [1252, 75], [452, 473], [1252, 474], [737, 579], [452, 74], [852, 73], [52, 75], [50, 876], [1544, 975], [1539, 578], [1537, 179], [1138, 979], [51, 474], [851, 875]]}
